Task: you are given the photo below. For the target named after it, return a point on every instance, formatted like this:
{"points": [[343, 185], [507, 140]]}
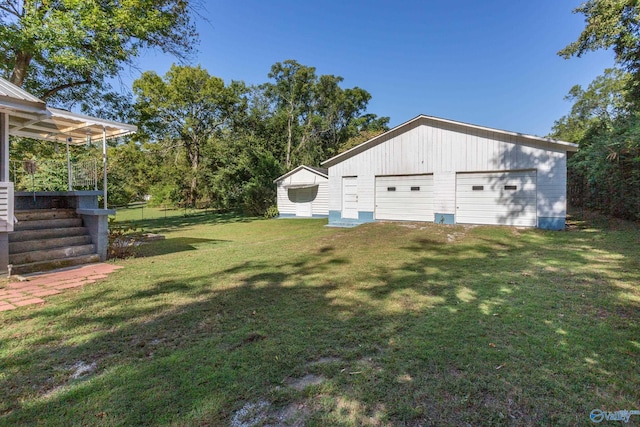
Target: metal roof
{"points": [[318, 171], [568, 146], [29, 117]]}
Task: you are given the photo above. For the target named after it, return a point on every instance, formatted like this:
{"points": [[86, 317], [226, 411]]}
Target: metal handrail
{"points": [[53, 175]]}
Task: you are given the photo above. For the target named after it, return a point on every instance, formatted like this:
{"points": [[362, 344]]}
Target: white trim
{"points": [[299, 186], [299, 168]]}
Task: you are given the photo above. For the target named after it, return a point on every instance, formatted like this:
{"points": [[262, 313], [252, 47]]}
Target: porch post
{"points": [[4, 147], [4, 177], [69, 172], [104, 165]]}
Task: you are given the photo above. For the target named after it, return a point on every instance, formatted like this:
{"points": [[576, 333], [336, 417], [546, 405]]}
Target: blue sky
{"points": [[491, 63]]}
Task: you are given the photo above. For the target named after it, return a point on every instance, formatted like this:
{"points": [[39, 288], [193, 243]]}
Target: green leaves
{"points": [[52, 47], [320, 115], [184, 112]]}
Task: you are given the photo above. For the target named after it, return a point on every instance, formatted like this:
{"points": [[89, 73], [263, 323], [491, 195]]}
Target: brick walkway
{"points": [[31, 291]]}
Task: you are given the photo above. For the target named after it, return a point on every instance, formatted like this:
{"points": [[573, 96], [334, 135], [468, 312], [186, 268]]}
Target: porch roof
{"points": [[31, 118]]}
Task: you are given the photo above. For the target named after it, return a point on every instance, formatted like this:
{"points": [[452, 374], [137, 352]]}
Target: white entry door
{"points": [[303, 203], [350, 197], [506, 198]]}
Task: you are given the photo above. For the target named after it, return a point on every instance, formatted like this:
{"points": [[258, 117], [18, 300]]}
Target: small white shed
{"points": [[433, 169], [303, 192]]}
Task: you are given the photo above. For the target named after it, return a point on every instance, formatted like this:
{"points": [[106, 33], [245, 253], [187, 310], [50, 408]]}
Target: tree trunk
{"points": [[289, 137], [195, 161], [20, 69]]}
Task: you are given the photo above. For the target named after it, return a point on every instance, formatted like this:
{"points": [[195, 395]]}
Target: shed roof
{"points": [[318, 171], [29, 117], [568, 146]]}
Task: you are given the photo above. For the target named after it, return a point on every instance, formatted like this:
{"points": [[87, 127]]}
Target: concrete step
{"points": [[42, 234], [51, 254], [40, 214], [343, 224], [54, 264], [48, 223], [56, 242]]}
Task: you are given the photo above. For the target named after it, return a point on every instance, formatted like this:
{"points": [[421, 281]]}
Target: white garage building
{"points": [[303, 192], [433, 169]]}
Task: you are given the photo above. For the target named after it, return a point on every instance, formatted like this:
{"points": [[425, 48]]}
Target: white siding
{"points": [[319, 206], [6, 206], [443, 149], [444, 184]]}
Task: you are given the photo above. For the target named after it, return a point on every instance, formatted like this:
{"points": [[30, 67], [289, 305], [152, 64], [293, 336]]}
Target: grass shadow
{"points": [[175, 245]]}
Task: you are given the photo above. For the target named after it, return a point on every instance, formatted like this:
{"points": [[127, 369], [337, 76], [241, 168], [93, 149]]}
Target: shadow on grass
{"points": [[490, 331], [174, 245], [164, 225]]}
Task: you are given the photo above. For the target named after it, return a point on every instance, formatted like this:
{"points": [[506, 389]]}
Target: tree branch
{"points": [[57, 89]]}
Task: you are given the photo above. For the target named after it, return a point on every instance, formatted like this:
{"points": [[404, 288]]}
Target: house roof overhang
{"points": [[30, 117], [549, 142]]}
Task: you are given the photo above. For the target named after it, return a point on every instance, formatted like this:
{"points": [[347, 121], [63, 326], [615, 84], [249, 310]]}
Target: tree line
{"points": [[206, 142], [605, 117], [202, 142]]}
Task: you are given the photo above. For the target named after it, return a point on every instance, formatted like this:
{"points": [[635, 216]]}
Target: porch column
{"points": [[104, 166], [4, 147], [4, 177]]}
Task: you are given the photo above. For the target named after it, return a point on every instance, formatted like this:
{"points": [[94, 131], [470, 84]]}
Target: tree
{"points": [[611, 24], [319, 116], [184, 111], [62, 50], [292, 93], [603, 101]]}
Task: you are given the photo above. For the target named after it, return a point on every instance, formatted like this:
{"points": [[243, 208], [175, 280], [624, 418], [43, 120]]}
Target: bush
{"points": [[164, 194], [271, 212], [124, 240]]}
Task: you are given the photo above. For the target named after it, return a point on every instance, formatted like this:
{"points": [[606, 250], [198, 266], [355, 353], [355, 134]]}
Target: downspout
{"points": [[104, 165]]}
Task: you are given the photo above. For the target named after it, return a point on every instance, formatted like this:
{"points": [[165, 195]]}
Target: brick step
{"points": [[54, 264], [48, 223], [40, 214], [42, 234], [55, 242], [51, 254]]}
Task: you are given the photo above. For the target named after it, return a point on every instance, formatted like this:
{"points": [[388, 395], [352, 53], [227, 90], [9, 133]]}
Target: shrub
{"points": [[124, 239], [271, 212]]}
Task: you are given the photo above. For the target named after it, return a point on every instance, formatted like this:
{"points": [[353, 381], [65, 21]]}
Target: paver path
{"points": [[36, 286]]}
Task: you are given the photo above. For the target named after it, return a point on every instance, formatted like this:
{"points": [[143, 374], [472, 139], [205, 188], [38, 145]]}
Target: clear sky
{"points": [[491, 63]]}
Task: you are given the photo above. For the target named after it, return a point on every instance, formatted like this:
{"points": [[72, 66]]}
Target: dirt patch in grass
{"points": [[263, 414], [306, 381], [324, 361]]}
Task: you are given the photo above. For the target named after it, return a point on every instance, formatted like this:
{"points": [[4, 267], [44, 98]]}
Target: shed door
{"points": [[303, 199], [350, 197], [408, 197], [506, 198]]}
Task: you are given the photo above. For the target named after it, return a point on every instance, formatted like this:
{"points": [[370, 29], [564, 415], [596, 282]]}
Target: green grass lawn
{"points": [[241, 321]]}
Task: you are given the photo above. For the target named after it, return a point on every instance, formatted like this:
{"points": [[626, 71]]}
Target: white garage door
{"points": [[407, 198], [507, 198]]}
